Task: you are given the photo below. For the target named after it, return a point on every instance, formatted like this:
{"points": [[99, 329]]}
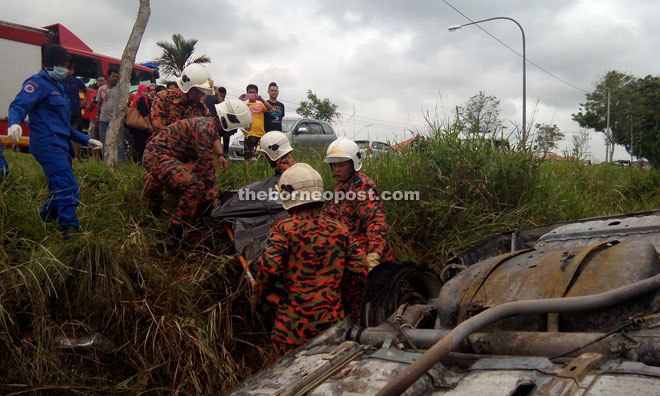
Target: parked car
{"points": [[304, 133], [372, 147]]}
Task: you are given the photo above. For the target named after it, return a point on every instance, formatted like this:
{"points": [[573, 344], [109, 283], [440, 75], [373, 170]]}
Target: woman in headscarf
{"points": [[142, 102]]}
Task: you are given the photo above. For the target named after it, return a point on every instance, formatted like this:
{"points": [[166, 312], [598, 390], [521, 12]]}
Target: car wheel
{"points": [[392, 284], [129, 146]]}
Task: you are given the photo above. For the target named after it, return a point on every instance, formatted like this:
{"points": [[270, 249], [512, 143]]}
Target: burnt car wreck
{"points": [[564, 309]]}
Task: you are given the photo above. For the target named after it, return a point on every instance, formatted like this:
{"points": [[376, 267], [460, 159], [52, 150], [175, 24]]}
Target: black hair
{"points": [[167, 84], [54, 55], [222, 90], [272, 84], [111, 72], [101, 75], [252, 86]]}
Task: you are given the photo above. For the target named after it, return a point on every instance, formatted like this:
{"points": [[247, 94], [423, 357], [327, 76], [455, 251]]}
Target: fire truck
{"points": [[23, 45]]}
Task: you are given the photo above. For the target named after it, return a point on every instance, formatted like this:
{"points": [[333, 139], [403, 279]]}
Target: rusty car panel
{"points": [[613, 350]]}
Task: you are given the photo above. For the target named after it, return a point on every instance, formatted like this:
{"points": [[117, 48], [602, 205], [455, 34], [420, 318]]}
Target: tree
{"points": [[579, 145], [313, 107], [593, 113], [640, 132], [178, 54], [634, 114], [547, 137], [125, 70], [480, 113]]}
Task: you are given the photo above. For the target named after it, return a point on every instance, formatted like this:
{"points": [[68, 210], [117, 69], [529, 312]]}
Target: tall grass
{"points": [[173, 320], [180, 320]]}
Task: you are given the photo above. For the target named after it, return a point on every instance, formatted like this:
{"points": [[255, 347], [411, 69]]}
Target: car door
{"points": [[379, 147], [317, 134], [329, 134], [316, 137], [301, 135]]}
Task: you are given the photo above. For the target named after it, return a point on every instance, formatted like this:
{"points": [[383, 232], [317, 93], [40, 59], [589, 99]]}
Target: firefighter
{"points": [[184, 101], [42, 99], [357, 205], [180, 160], [277, 148], [365, 217], [306, 258]]}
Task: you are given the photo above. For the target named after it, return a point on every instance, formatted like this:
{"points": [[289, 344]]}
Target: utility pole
{"points": [[607, 130], [632, 143], [453, 28], [354, 122]]}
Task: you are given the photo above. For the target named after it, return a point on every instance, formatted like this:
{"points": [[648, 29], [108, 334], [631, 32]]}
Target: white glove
{"points": [[14, 132], [373, 259], [94, 144]]}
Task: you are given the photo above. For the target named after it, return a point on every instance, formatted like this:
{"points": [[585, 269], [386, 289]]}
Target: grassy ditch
{"points": [[182, 320]]}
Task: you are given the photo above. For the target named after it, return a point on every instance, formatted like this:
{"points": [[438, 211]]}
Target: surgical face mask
{"points": [[58, 73]]}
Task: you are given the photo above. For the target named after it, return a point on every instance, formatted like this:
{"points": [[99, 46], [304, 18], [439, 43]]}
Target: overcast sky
{"points": [[388, 63]]}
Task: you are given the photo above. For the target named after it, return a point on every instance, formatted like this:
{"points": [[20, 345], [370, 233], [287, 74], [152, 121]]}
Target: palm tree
{"points": [[178, 54]]}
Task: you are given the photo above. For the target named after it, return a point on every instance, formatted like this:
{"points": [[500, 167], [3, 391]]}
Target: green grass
{"points": [[181, 320], [177, 320]]}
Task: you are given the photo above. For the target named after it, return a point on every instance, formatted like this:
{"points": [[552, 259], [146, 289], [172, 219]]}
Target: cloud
{"points": [[386, 64]]}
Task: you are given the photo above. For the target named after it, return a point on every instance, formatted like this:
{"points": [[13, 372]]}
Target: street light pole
{"points": [[524, 104]]}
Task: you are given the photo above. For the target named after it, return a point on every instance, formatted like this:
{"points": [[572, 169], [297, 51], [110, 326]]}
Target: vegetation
{"points": [[316, 108], [579, 145], [180, 319], [547, 137], [634, 104], [178, 54], [480, 113]]}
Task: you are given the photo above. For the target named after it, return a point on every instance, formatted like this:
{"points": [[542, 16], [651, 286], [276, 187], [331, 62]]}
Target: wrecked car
{"points": [[564, 309]]}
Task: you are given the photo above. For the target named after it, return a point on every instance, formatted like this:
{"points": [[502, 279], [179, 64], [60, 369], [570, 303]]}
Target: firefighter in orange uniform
{"points": [[276, 147], [184, 102], [364, 215], [180, 160], [306, 260]]}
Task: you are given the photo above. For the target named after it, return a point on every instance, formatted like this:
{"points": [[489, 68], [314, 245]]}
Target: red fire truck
{"points": [[23, 45]]}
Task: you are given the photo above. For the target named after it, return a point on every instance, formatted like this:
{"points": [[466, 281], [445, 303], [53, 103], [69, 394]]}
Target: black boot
{"points": [[68, 231], [49, 215]]}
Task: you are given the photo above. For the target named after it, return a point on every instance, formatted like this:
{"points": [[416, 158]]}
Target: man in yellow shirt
{"points": [[258, 106]]}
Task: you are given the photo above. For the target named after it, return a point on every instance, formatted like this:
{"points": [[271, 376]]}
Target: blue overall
{"points": [[42, 98], [4, 166]]}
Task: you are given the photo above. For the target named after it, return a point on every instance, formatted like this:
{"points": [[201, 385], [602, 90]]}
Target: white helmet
{"points": [[195, 75], [233, 114], [344, 149], [301, 184], [275, 145]]}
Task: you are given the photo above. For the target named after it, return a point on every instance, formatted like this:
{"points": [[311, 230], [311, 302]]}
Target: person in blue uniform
{"points": [[4, 166], [42, 99]]}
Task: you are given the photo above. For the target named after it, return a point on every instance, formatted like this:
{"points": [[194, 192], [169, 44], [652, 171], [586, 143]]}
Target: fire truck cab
{"points": [[24, 45]]}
